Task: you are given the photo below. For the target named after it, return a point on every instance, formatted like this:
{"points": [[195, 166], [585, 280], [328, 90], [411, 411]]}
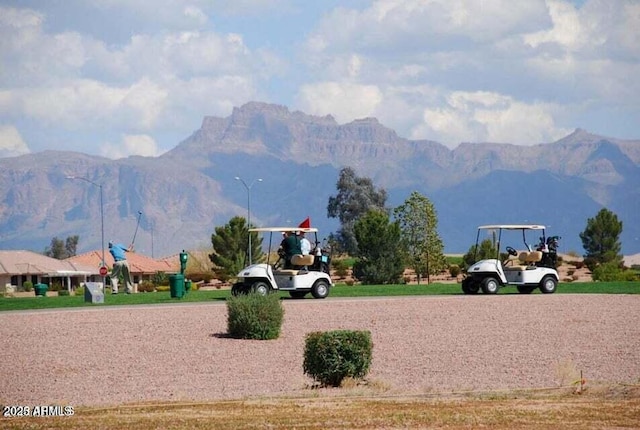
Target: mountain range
{"points": [[180, 197]]}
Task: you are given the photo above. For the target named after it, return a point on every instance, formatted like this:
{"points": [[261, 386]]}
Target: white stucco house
{"points": [[18, 267]]}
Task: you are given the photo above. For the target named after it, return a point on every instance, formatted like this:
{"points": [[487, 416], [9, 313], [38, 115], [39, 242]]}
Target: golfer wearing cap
{"points": [[120, 266]]}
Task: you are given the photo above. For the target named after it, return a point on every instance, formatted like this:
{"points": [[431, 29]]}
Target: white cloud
{"points": [[401, 26], [196, 14], [489, 117], [70, 81], [475, 68], [81, 104], [345, 101], [11, 142], [18, 28], [138, 144], [496, 70]]}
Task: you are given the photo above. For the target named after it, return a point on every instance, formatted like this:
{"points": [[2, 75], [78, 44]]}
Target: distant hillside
{"points": [[186, 192]]}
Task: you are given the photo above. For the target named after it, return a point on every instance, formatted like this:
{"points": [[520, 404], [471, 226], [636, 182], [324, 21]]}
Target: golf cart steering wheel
{"points": [[511, 251]]}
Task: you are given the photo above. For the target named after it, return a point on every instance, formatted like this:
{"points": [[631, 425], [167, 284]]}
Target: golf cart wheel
{"points": [[297, 294], [236, 290], [490, 285], [320, 289], [260, 287], [523, 289], [470, 286], [548, 284]]}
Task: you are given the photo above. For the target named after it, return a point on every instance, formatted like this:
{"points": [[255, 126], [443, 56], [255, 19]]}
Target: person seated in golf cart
{"points": [[289, 247]]}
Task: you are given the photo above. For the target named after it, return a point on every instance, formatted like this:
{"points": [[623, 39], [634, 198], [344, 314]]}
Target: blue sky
{"points": [[123, 77]]}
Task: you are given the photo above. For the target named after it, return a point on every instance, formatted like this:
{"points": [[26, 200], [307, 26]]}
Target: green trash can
{"points": [[176, 285], [40, 289], [187, 286]]}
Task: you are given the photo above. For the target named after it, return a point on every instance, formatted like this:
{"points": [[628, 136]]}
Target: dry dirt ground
{"points": [[422, 345]]}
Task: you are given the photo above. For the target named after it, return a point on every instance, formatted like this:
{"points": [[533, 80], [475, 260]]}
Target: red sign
{"points": [[103, 271]]}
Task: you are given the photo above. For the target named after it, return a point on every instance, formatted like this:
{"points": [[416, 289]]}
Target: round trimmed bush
{"points": [[331, 356]]}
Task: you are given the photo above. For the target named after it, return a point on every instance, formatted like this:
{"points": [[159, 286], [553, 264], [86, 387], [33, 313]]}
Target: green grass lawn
{"points": [[340, 290]]}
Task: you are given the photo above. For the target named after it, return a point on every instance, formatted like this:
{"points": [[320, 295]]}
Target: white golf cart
{"points": [[527, 269], [310, 273]]}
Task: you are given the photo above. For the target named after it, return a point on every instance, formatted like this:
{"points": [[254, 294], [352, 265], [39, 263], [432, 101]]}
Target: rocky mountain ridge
{"points": [[189, 190]]}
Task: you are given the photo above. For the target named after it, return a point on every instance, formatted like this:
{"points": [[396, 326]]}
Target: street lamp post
{"points": [[103, 263], [248, 187]]}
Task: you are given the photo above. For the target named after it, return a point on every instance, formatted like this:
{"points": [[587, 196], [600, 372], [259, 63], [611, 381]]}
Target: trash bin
{"points": [[187, 286], [176, 285], [40, 289]]}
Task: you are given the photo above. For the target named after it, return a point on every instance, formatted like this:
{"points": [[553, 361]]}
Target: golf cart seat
{"points": [[526, 260], [302, 260], [533, 257], [517, 264], [298, 262]]}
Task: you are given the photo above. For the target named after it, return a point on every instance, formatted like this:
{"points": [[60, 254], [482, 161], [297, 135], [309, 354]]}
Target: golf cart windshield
{"points": [[500, 227]]}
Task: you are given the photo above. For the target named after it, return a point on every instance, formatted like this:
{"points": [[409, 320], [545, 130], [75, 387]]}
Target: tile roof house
{"points": [[18, 267], [140, 266]]}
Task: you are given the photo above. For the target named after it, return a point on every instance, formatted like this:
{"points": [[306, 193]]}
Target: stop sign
{"points": [[103, 271]]}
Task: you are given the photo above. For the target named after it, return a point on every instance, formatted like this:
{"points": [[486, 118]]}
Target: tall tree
{"points": [[71, 245], [60, 249], [356, 196], [421, 243], [379, 257], [56, 249], [601, 238], [230, 248]]}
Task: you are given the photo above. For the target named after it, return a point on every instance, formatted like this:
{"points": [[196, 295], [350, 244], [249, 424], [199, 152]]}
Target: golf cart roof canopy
{"points": [[283, 229], [512, 227]]}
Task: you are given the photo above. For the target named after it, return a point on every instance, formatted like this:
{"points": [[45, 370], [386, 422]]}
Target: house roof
{"points": [[138, 263], [31, 263]]}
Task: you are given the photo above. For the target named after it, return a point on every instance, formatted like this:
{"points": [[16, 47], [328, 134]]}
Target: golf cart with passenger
{"points": [[308, 274], [526, 269]]}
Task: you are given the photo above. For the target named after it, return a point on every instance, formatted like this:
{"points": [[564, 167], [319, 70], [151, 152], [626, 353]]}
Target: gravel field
{"points": [[115, 355]]}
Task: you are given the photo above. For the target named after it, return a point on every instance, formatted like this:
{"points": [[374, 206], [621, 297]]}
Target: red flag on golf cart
{"points": [[306, 223]]}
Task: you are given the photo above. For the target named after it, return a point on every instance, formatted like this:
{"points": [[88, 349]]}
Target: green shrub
{"points": [[146, 287], [611, 272], [454, 270], [379, 271], [340, 268], [160, 278], [454, 260], [591, 263], [28, 286], [329, 357], [253, 316], [200, 276], [63, 292]]}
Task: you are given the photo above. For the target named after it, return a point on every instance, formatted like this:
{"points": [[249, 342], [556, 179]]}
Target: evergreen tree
{"points": [[421, 243], [60, 249], [379, 257], [356, 196], [71, 245], [230, 248], [601, 238]]}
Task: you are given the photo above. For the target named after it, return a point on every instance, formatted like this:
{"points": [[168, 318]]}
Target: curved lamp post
{"points": [[248, 188], [103, 264]]}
